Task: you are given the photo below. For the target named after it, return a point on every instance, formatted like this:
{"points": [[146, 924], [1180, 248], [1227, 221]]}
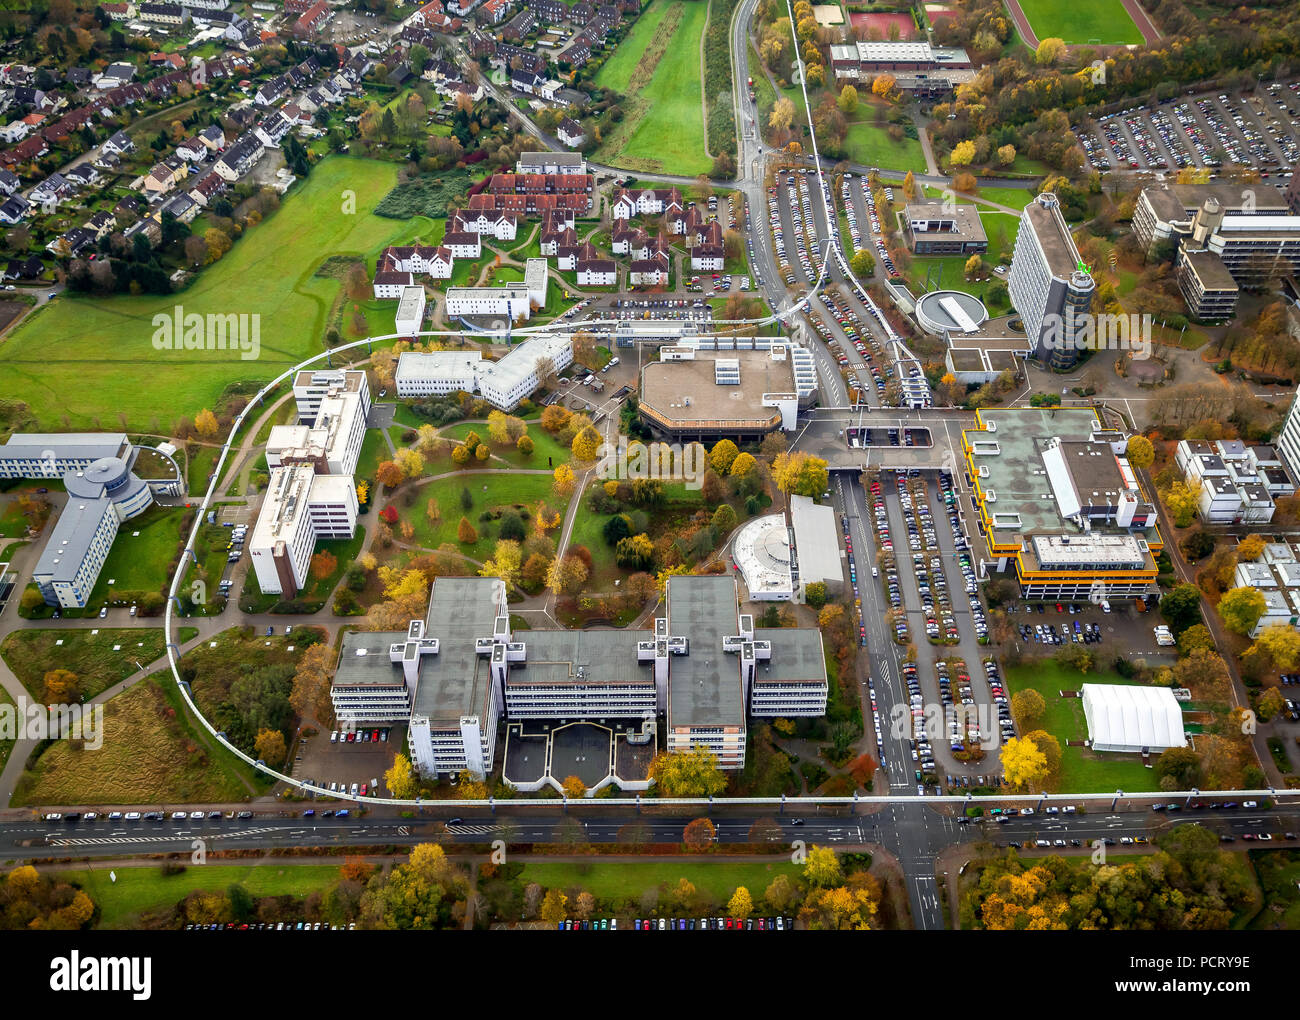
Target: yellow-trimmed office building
{"points": [[1058, 503]]}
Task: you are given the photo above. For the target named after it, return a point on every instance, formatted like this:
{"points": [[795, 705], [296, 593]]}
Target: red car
{"points": [[375, 736], [352, 738]]}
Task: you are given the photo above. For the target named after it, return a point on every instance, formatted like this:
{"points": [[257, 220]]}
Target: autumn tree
{"points": [[389, 474], [466, 533], [800, 473], [62, 687], [269, 747], [822, 866], [586, 444], [400, 778], [1023, 763], [1027, 709], [309, 696], [698, 834], [205, 424], [693, 773], [574, 788], [554, 907], [723, 456], [1140, 451], [323, 564], [564, 481], [741, 904], [1241, 609]]}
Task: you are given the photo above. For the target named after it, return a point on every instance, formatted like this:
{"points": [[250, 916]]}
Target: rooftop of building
{"points": [[1021, 496], [1209, 270], [686, 390], [961, 222], [1054, 237], [705, 686]]}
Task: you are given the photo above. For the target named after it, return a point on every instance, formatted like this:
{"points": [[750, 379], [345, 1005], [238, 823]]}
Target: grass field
{"points": [[489, 490], [140, 889], [617, 70], [150, 755], [1082, 21], [547, 453], [870, 144], [101, 348], [664, 127], [1082, 771], [626, 880], [99, 656], [141, 552]]}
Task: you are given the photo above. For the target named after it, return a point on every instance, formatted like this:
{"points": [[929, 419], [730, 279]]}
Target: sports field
{"points": [[90, 359], [657, 67], [1079, 22]]}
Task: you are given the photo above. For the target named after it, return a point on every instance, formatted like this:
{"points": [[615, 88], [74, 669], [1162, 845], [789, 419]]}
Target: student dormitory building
{"points": [[456, 675]]}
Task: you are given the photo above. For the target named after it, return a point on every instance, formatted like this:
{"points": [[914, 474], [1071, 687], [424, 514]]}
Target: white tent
{"points": [[1123, 717]]}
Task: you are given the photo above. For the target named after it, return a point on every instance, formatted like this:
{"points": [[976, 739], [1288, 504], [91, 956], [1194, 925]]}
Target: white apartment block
{"points": [[310, 387], [409, 319], [511, 301], [332, 444], [1238, 482], [300, 508]]}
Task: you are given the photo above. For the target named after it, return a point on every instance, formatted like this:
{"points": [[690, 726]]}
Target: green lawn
{"points": [[201, 462], [101, 348], [140, 889], [1079, 22], [488, 490], [139, 559], [1015, 198], [617, 70], [100, 659], [1082, 771], [626, 880], [664, 128], [373, 451], [869, 143], [547, 453]]}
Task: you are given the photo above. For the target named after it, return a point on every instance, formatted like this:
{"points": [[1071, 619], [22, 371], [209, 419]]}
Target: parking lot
{"points": [[347, 766], [1255, 128]]}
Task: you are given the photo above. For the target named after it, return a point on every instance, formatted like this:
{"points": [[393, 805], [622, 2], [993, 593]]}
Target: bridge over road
{"points": [[936, 433]]}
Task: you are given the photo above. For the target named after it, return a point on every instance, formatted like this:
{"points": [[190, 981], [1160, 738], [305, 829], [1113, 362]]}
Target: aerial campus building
{"points": [[1049, 284], [311, 494], [1060, 505], [1227, 237], [456, 675], [503, 384], [710, 388], [103, 492]]}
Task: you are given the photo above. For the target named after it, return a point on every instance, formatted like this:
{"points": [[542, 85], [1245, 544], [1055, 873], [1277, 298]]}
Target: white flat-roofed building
{"points": [[311, 385], [299, 508], [764, 553], [54, 454], [817, 544], [410, 311], [75, 552], [501, 383], [332, 444]]}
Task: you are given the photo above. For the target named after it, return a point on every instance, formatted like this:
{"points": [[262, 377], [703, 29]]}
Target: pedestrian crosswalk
{"points": [[471, 830]]}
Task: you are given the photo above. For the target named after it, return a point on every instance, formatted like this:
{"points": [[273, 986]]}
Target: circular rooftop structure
{"points": [[762, 552], [110, 472], [950, 311]]}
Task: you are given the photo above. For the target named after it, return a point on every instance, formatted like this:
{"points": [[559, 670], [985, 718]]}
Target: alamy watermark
{"points": [[630, 461], [1087, 332], [31, 720], [180, 331]]}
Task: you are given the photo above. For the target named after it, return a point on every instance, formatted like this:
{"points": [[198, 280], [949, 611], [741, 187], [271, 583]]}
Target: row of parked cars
{"points": [[681, 924], [880, 521], [272, 926], [882, 253], [379, 736], [147, 816], [927, 567]]}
